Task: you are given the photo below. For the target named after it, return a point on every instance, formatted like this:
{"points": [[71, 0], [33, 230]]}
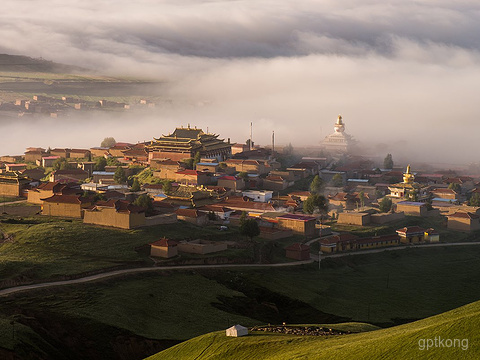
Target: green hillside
{"points": [[18, 63], [400, 342]]}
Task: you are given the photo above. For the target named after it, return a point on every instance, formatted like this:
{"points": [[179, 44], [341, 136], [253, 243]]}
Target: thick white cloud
{"points": [[396, 70]]}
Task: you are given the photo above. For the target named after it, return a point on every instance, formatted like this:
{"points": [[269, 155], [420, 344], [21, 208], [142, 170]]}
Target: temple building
{"points": [[339, 141], [408, 189], [184, 143]]}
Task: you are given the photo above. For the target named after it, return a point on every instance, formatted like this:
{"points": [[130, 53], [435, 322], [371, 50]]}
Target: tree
{"points": [[455, 187], [136, 185], [108, 142], [243, 175], [250, 228], [119, 176], [474, 200], [100, 163], [62, 164], [288, 150], [361, 197], [412, 195], [316, 185], [111, 161], [196, 159], [385, 204], [146, 202], [337, 180], [315, 202], [167, 186], [188, 163], [388, 162]]}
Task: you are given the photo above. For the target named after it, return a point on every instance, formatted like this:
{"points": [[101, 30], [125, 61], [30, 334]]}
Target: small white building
{"points": [[258, 195], [237, 331]]}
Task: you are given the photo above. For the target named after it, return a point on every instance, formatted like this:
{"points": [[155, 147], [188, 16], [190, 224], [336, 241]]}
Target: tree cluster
{"points": [[315, 203]]}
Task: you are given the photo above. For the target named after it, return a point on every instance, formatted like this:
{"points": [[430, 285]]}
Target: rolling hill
{"points": [[18, 63], [451, 335]]}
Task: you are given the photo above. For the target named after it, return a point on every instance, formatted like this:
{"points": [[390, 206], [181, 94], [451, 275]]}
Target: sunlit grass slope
{"points": [[400, 342]]}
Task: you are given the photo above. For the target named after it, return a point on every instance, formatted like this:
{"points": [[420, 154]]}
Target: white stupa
{"points": [[339, 141]]}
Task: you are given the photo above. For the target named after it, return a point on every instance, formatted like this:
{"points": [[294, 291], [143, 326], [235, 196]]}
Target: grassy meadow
{"points": [[409, 341]]}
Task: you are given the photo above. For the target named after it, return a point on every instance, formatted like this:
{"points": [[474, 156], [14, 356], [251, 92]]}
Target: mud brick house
{"points": [[232, 182], [299, 224], [69, 175], [339, 243], [34, 174], [248, 166], [49, 189], [15, 167], [65, 205], [463, 221], [80, 153], [412, 208], [34, 154], [164, 248], [192, 216], [298, 251], [411, 235], [12, 184], [63, 153], [192, 177], [115, 213]]}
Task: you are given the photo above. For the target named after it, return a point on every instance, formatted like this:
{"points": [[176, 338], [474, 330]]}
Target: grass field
{"points": [[385, 288], [181, 305], [409, 341], [46, 248]]}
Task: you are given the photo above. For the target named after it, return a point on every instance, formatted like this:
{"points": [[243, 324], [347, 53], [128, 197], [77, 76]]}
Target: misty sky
{"points": [[402, 73]]}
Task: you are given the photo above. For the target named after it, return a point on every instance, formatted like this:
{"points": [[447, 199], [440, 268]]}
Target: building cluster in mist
{"points": [[41, 105], [197, 176]]}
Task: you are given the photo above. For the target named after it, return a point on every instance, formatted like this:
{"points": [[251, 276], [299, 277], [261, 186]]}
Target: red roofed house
{"points": [[338, 243], [378, 241], [275, 182], [192, 216], [47, 161], [299, 224], [115, 213], [431, 235], [65, 205], [164, 248], [298, 251], [49, 189], [232, 182], [192, 177], [463, 221], [411, 234], [118, 149], [136, 154], [445, 194]]}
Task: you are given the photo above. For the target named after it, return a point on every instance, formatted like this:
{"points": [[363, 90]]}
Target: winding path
{"points": [[110, 274], [105, 275]]}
